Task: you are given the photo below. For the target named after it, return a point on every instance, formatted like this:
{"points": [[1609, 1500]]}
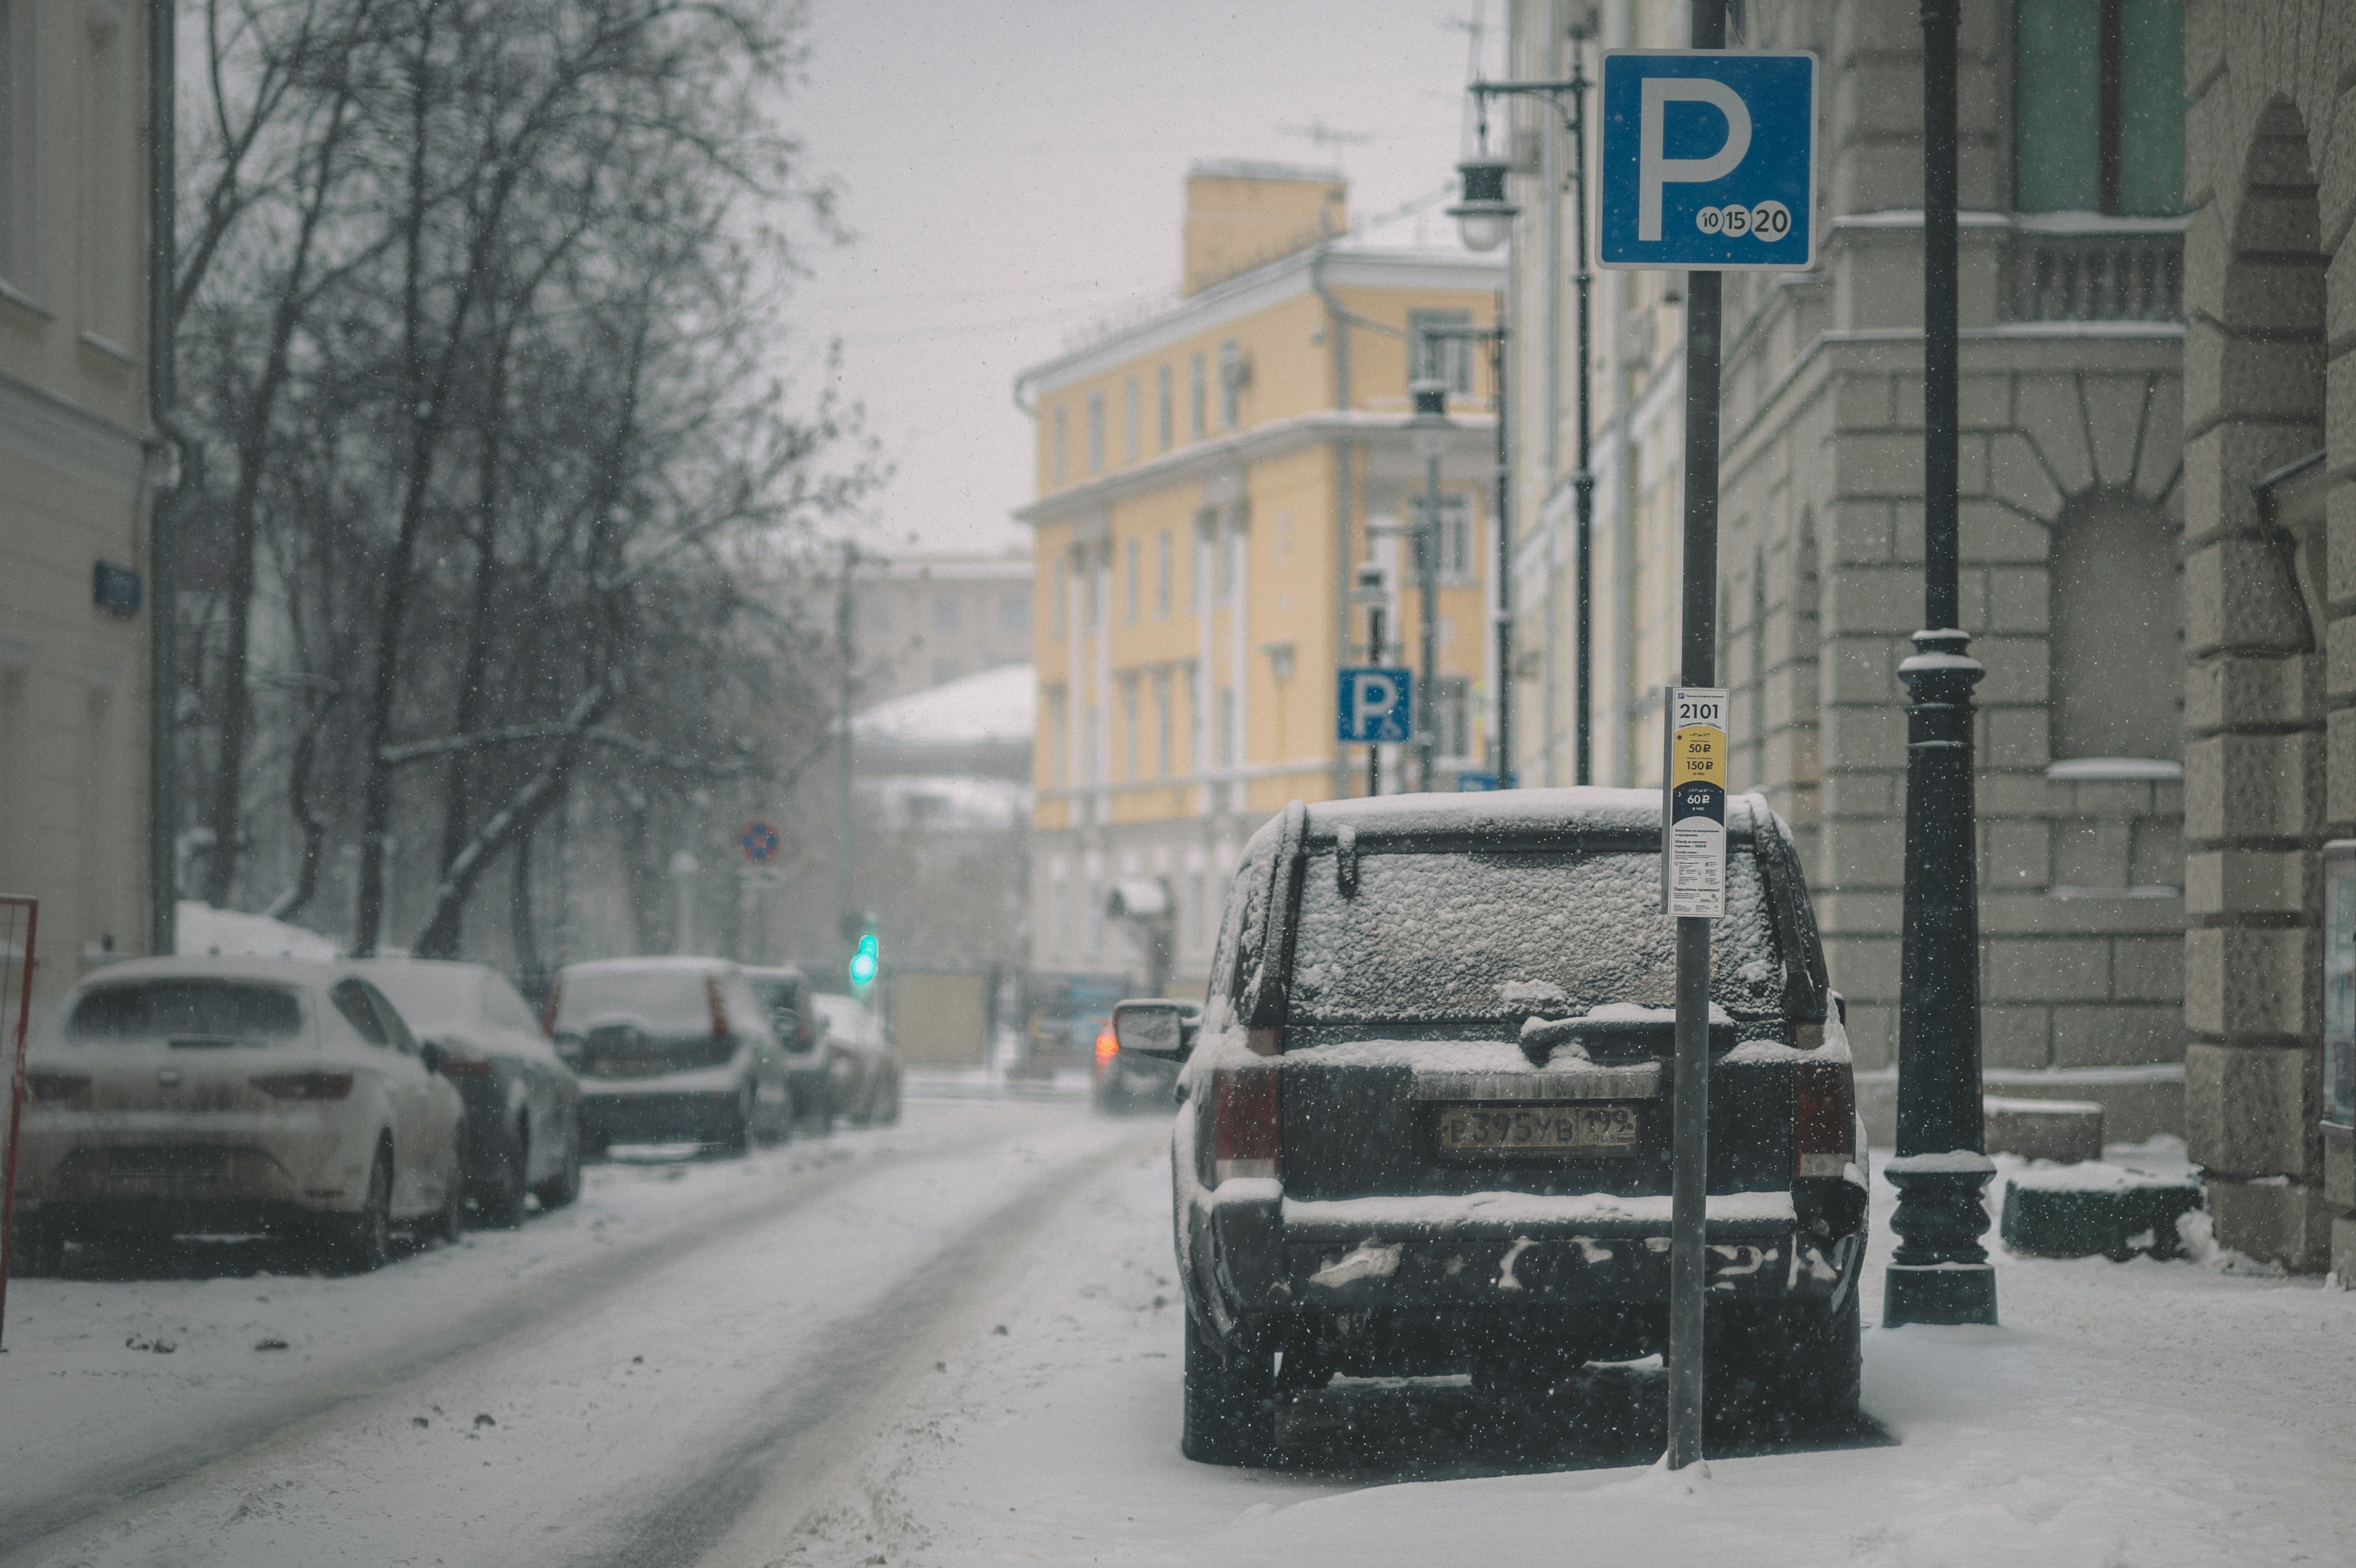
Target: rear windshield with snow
{"points": [[665, 1001], [1486, 936], [227, 1012]]}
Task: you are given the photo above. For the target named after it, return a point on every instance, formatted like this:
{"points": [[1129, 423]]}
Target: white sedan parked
{"points": [[235, 1095]]}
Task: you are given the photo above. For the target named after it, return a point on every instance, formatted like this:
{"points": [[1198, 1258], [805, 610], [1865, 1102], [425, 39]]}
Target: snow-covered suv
{"points": [[1424, 1122]]}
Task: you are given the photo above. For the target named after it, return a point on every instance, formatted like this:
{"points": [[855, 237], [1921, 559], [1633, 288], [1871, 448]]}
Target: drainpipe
{"points": [[163, 509], [1337, 323]]}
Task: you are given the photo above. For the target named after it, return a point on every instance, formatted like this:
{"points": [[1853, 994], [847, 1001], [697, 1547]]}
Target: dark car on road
{"points": [[523, 1104], [794, 1017], [1424, 1125], [671, 1051], [1127, 1082]]}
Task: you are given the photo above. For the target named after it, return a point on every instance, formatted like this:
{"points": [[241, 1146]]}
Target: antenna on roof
{"points": [[1324, 135]]}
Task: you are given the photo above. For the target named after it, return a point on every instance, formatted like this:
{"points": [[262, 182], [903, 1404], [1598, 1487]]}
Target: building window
{"points": [[1056, 451], [1130, 414], [1161, 721], [1201, 392], [1163, 567], [1132, 730], [1456, 558], [1129, 571], [1449, 358], [1451, 717], [109, 186], [1095, 433], [1059, 761], [2098, 116], [1091, 590], [880, 617], [1226, 741], [1058, 589], [2117, 615], [949, 612], [1169, 411], [1014, 612], [946, 670], [1231, 385], [19, 147]]}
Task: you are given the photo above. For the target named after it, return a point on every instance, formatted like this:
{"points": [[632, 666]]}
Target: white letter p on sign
{"points": [[1372, 701], [1653, 171]]}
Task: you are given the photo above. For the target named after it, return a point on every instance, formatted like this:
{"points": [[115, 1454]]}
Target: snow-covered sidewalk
{"points": [[2134, 1413]]}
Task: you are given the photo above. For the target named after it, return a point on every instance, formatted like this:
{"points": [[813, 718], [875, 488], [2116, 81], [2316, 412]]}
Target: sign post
{"points": [[1707, 164]]}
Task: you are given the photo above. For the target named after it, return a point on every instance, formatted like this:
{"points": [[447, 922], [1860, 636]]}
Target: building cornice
{"points": [[37, 425], [1231, 452], [1336, 263]]}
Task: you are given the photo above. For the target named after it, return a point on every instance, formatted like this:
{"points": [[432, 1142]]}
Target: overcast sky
{"points": [[1012, 171]]}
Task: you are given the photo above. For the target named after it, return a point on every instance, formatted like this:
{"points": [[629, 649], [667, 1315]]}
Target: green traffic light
{"points": [[864, 962]]}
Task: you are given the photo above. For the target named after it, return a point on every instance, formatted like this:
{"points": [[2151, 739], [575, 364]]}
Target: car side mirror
{"points": [[1161, 1030], [432, 1056]]}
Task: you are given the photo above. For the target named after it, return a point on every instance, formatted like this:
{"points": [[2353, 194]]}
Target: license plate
{"points": [[1506, 1131], [150, 1164]]}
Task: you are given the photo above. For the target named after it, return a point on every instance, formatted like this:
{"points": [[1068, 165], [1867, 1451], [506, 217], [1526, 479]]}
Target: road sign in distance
{"points": [[758, 842], [1707, 160], [1693, 804], [1375, 705]]}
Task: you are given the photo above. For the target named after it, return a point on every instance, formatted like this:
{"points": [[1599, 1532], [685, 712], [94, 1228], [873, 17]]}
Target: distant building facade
{"points": [[75, 484], [927, 620], [2075, 484], [1209, 477]]}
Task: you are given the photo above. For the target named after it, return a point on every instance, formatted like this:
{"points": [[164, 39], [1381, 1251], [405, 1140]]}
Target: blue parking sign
{"points": [[1707, 160], [1375, 705]]}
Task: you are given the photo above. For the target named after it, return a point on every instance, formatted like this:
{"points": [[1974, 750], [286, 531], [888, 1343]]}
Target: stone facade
{"points": [[2074, 490], [2270, 605]]}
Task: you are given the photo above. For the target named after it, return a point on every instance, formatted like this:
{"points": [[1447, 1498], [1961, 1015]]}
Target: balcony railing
{"points": [[2097, 275]]}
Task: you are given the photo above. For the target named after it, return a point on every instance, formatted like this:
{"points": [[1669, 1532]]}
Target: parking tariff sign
{"points": [[1693, 804], [1707, 160]]}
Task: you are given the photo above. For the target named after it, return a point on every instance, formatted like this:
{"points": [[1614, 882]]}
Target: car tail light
{"points": [[1828, 1118], [548, 1013], [1108, 1045], [55, 1088], [1243, 1122], [305, 1085], [719, 1008]]}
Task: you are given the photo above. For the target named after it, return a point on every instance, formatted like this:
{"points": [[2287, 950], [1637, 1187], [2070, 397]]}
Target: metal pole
{"points": [[1688, 1204], [845, 893], [1375, 656], [163, 575], [1583, 480], [1504, 559], [1938, 1272], [1427, 567]]}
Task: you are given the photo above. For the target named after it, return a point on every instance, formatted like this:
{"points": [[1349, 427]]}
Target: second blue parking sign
{"points": [[1707, 160]]}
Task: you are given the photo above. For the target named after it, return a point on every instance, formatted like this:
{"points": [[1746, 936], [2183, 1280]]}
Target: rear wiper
{"points": [[206, 1041]]}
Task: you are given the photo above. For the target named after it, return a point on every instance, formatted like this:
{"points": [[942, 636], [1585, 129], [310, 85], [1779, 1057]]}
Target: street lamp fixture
{"points": [[1484, 219], [1427, 430]]}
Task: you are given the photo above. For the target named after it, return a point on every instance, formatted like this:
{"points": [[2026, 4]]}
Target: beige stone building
{"points": [[75, 485], [927, 620], [2075, 490]]}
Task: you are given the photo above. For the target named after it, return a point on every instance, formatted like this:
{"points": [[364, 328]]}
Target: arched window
{"points": [[2118, 632]]}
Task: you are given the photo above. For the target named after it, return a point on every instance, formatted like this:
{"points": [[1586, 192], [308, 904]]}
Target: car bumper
{"points": [[699, 1116], [1504, 1252], [155, 1171]]}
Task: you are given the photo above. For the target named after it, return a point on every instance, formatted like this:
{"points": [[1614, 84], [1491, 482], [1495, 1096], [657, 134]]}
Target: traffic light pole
{"points": [[1688, 1202], [845, 889]]}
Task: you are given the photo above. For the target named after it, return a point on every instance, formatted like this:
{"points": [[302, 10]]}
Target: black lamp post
{"points": [[1428, 427], [1940, 1273]]}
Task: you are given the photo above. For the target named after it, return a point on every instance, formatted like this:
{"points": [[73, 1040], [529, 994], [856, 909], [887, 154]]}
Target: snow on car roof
{"points": [[1632, 813], [220, 966], [641, 966]]}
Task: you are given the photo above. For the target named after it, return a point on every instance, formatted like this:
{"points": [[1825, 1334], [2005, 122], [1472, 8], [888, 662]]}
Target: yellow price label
{"points": [[1698, 756]]}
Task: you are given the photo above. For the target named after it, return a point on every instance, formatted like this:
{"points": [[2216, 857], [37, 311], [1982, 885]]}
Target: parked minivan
{"points": [[1424, 1123]]}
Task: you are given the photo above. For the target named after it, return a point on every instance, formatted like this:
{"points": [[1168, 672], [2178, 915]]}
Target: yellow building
{"points": [[75, 435], [1210, 477]]}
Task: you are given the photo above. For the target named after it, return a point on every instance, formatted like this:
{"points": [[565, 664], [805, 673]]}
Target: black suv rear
{"points": [[1425, 1128]]}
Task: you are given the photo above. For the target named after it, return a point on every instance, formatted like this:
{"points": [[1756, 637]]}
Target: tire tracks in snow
{"points": [[798, 1461], [538, 1305]]}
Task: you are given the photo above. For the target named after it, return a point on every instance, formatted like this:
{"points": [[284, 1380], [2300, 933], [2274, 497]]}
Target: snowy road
{"points": [[956, 1342]]}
